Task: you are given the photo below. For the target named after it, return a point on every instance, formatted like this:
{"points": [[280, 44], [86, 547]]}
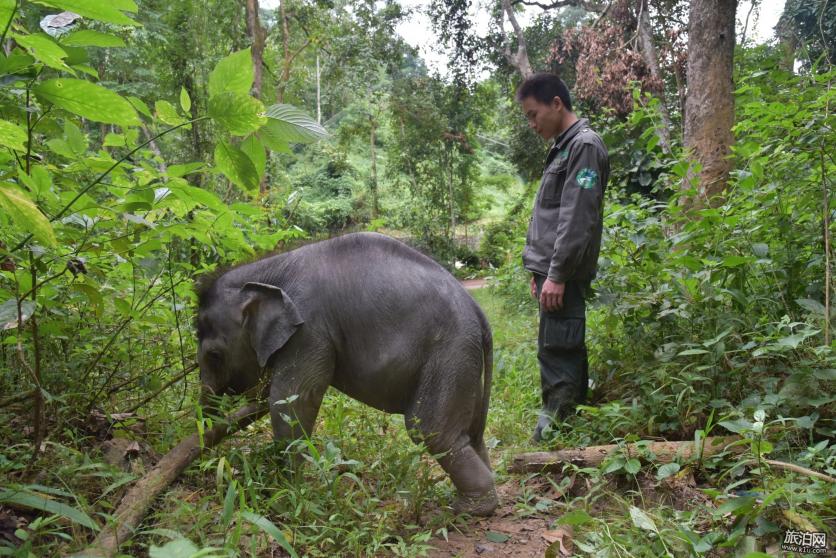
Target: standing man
{"points": [[563, 241]]}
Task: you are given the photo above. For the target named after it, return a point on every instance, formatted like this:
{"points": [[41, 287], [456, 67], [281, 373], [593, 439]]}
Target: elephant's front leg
{"points": [[295, 397]]}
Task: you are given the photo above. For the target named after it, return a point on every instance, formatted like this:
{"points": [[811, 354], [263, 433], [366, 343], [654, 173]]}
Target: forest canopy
{"points": [[146, 144]]}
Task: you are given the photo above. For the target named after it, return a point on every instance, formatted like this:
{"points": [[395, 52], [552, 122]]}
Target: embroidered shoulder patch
{"points": [[587, 178]]}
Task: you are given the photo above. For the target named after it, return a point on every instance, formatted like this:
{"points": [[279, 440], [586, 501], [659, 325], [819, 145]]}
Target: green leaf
{"points": [[229, 504], [89, 100], [15, 62], [268, 527], [667, 470], [176, 171], [185, 100], [272, 138], [690, 352], [7, 7], [735, 261], [254, 149], [737, 426], [239, 113], [96, 9], [12, 136], [140, 105], [495, 537], [26, 214], [236, 166], [167, 113], [45, 49], [736, 506], [812, 306], [633, 466], [233, 74], [37, 502], [642, 520], [178, 548], [88, 37], [575, 517], [290, 124]]}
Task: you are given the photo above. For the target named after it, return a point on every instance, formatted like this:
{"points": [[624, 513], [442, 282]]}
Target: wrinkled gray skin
{"points": [[375, 319]]}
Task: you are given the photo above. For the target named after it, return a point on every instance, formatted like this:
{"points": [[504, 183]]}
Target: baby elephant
{"points": [[372, 317]]}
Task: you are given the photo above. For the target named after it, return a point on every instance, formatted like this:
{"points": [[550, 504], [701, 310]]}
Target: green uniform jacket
{"points": [[564, 233]]}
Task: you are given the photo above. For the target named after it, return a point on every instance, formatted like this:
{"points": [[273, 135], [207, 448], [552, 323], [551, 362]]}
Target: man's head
{"points": [[546, 103]]}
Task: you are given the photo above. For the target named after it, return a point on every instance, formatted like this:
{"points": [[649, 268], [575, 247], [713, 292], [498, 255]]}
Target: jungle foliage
{"points": [[133, 159]]}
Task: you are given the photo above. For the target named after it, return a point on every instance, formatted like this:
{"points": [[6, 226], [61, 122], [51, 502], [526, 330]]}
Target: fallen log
{"points": [[592, 456], [139, 498]]}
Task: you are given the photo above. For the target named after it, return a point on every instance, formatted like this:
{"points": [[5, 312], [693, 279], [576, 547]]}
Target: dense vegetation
{"points": [[137, 155]]}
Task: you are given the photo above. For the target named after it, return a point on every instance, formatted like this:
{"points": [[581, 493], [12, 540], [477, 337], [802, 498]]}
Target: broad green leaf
{"points": [[239, 113], [37, 502], [12, 136], [7, 8], [272, 139], [45, 49], [89, 100], [236, 166], [811, 305], [268, 527], [176, 171], [229, 504], [140, 105], [9, 315], [290, 124], [734, 261], [642, 520], [178, 548], [233, 74], [737, 426], [38, 180], [495, 537], [168, 114], [88, 37], [633, 466], [26, 214], [107, 11], [736, 506], [690, 352], [185, 100], [254, 149], [667, 470], [575, 517], [15, 62]]}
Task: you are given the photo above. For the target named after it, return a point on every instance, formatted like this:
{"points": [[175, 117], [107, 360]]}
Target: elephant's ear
{"points": [[270, 318]]}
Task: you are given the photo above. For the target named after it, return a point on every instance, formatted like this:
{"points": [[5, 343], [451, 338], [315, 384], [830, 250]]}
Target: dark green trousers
{"points": [[561, 351]]}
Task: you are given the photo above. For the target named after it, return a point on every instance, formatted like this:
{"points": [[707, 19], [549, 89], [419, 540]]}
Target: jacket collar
{"points": [[563, 139]]}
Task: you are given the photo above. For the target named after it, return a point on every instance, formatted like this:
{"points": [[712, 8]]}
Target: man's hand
{"points": [[551, 297], [533, 287]]}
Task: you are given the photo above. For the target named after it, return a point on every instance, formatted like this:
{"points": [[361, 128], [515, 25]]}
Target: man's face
{"points": [[544, 118]]}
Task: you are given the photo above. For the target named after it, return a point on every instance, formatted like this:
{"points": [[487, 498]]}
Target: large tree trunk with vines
{"points": [[518, 59], [709, 104]]}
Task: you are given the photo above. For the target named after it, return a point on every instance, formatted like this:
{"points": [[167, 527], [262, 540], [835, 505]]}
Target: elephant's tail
{"points": [[477, 435]]}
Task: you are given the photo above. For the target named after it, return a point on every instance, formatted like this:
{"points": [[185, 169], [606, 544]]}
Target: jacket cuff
{"points": [[557, 276]]}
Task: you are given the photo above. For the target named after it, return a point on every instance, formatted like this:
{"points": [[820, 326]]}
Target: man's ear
{"points": [[270, 318], [557, 103]]}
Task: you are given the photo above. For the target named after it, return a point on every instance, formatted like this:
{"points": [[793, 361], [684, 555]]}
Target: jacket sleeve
{"points": [[580, 210]]}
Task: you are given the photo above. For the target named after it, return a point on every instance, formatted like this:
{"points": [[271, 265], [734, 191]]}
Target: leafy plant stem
{"points": [[826, 218], [38, 410], [9, 23], [162, 389], [101, 177]]}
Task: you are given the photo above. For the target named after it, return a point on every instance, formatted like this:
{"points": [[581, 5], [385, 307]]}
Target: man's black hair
{"points": [[544, 87]]}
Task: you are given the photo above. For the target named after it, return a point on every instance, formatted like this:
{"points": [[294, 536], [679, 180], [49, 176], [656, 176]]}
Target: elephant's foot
{"points": [[477, 503]]}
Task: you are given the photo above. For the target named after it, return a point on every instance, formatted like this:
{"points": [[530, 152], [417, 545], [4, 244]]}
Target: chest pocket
{"points": [[552, 187]]}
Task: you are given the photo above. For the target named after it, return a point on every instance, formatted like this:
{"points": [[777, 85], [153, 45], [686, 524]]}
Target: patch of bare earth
{"points": [[520, 536]]}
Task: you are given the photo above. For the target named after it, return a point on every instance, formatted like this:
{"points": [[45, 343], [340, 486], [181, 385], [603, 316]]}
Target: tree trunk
{"points": [[258, 36], [286, 49], [138, 500], [709, 103], [519, 59], [593, 456], [651, 60]]}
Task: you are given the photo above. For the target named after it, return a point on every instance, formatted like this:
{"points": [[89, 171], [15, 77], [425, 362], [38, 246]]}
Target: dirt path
{"points": [[506, 533]]}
